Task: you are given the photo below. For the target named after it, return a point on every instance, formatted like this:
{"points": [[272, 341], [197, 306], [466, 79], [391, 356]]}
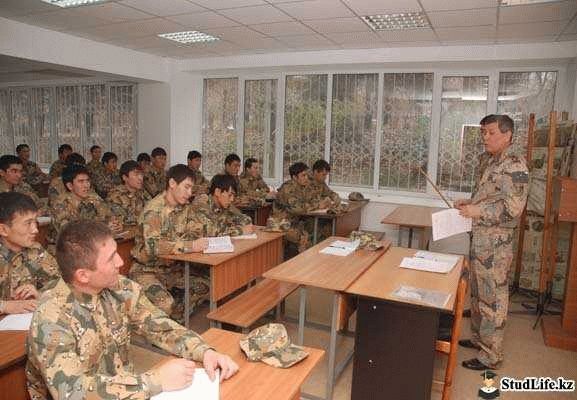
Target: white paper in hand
{"points": [[202, 388], [448, 223], [16, 322]]}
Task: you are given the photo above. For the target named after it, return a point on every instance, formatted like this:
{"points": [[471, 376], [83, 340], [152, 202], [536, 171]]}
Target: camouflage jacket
{"points": [[78, 344], [32, 265], [56, 168], [55, 189], [23, 188], [201, 184], [252, 189], [104, 181], [209, 220], [320, 191], [154, 181], [293, 200], [94, 166], [68, 207], [127, 204], [501, 190], [32, 174]]}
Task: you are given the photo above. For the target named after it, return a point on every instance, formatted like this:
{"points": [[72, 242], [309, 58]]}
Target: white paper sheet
{"points": [[221, 244], [16, 322], [448, 223], [341, 248], [249, 236], [429, 255], [421, 264], [201, 388], [431, 298]]}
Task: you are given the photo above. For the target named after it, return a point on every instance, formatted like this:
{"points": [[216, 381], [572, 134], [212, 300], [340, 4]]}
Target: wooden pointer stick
{"points": [[435, 187]]}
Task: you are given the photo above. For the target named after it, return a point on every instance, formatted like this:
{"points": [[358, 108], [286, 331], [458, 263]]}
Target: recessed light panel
{"points": [[73, 3], [389, 22], [189, 37]]}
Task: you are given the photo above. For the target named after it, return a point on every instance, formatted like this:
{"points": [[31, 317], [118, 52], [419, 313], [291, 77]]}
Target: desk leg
{"points": [[213, 303], [186, 294], [334, 228], [410, 243], [315, 230], [332, 348], [302, 314]]}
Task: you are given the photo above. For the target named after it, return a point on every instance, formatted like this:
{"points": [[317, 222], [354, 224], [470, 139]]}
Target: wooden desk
{"points": [[311, 268], [12, 364], [259, 215], [343, 223], [412, 217], [395, 339], [231, 271]]}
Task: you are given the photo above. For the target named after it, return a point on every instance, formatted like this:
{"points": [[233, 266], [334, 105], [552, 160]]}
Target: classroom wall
{"points": [[154, 108]]}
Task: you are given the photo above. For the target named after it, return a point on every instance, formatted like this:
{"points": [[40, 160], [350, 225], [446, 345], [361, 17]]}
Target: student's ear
{"points": [[172, 183], [68, 186], [4, 230], [81, 275]]}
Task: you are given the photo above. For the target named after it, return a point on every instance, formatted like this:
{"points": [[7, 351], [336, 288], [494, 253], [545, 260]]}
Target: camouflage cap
{"points": [[271, 345], [368, 240], [356, 196], [277, 225]]}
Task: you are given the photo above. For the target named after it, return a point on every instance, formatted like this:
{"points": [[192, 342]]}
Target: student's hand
{"points": [[470, 211], [213, 360], [115, 225], [19, 306], [175, 374], [461, 202], [199, 245], [24, 292], [325, 203], [248, 229]]}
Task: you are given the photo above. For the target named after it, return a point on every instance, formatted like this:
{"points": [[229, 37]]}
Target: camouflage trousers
{"points": [[165, 287], [491, 257], [298, 236]]}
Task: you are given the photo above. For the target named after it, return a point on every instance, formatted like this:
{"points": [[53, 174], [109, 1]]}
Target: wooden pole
{"points": [[436, 188]]}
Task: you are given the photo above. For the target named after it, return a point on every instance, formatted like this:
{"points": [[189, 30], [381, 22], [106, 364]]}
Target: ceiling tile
{"points": [[164, 7], [355, 38], [371, 7], [113, 12], [535, 29], [224, 4], [283, 29], [305, 41], [260, 43], [99, 33], [317, 9], [338, 25], [202, 20], [236, 32], [471, 42], [10, 8], [421, 34], [449, 5], [467, 33], [418, 43], [484, 16], [534, 39], [571, 27], [571, 36], [538, 12], [63, 19], [256, 14], [147, 42], [147, 27]]}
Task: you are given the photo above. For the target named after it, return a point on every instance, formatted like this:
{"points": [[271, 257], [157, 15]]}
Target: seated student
{"points": [[165, 228], [31, 172], [79, 202], [155, 177], [57, 166], [94, 165], [318, 186], [128, 200], [79, 340], [25, 267], [143, 160], [251, 185], [232, 168], [200, 182], [107, 177], [11, 179], [56, 187], [218, 217]]}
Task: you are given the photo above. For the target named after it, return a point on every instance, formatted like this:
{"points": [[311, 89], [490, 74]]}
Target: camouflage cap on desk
{"points": [[270, 344], [277, 225], [368, 241], [356, 196]]}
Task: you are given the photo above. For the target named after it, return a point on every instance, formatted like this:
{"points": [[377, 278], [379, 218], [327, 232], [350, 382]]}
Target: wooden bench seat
{"points": [[245, 309]]}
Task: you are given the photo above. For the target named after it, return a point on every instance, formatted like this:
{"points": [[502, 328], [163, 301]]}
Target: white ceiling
{"points": [[270, 26]]}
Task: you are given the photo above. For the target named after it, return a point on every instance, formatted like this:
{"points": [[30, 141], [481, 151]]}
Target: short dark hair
{"points": [[94, 147], [193, 154], [249, 162], [158, 151], [505, 122], [21, 147], [108, 156], [128, 166], [321, 165], [75, 158], [64, 147], [143, 157], [178, 173], [297, 168], [71, 172], [77, 246], [12, 203], [7, 160], [230, 158], [223, 182]]}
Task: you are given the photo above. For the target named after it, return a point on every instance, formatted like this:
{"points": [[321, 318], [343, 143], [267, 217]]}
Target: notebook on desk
{"points": [[221, 244]]}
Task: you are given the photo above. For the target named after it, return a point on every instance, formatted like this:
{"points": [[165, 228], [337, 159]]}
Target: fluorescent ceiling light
{"points": [[189, 37], [506, 3], [387, 22], [73, 3]]}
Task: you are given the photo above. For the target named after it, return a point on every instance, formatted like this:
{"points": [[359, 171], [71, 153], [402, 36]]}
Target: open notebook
{"points": [[221, 244]]}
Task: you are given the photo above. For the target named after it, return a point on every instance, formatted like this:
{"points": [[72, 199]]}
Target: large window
{"points": [[406, 129], [80, 115], [260, 112], [219, 133]]}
